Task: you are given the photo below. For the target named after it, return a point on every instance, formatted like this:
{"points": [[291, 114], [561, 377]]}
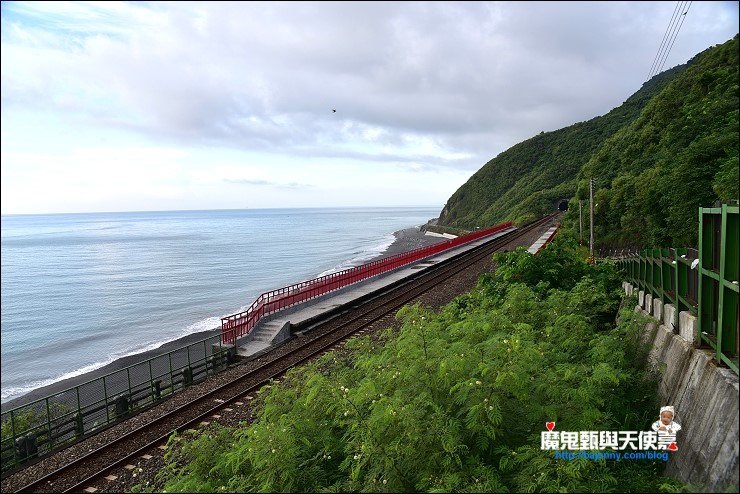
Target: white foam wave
{"points": [[363, 256], [8, 394], [11, 393]]}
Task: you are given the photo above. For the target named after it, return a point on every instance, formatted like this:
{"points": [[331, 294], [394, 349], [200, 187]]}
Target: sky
{"points": [[144, 106]]}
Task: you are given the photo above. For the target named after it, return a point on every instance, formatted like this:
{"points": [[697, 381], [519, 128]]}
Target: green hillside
{"points": [[523, 182], [680, 154], [681, 123]]}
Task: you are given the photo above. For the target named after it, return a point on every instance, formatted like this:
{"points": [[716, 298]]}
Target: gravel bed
{"points": [[144, 469]]}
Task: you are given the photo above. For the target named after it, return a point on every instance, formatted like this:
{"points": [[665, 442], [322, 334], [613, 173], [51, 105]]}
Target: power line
{"points": [[662, 43], [670, 38], [683, 17]]}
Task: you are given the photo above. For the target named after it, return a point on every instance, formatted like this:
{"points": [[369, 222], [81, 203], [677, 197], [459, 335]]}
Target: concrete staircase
{"points": [[263, 336]]}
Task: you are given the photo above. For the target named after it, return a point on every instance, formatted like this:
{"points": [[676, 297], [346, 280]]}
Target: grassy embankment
{"points": [[455, 401]]}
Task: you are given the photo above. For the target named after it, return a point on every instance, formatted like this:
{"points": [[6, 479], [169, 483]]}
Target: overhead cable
{"points": [[663, 42], [683, 17]]}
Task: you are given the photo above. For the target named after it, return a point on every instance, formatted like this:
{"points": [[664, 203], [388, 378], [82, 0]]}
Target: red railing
{"points": [[549, 238], [238, 325]]}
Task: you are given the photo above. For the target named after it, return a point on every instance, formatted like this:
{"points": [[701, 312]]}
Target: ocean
{"points": [[82, 290]]}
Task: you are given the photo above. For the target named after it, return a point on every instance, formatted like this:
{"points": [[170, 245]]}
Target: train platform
{"points": [[544, 239], [279, 327]]}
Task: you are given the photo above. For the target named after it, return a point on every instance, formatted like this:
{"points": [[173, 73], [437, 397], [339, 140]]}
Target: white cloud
{"points": [[418, 87]]}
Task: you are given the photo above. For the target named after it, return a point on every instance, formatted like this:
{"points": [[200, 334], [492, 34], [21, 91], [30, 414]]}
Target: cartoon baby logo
{"points": [[667, 428]]}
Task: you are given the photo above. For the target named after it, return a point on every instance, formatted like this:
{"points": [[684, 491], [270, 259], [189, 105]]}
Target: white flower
{"points": [[478, 383], [385, 481], [357, 457], [273, 450], [346, 413]]}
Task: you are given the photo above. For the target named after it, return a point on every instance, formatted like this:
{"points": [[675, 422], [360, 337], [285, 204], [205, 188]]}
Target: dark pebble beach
{"points": [[406, 240]]}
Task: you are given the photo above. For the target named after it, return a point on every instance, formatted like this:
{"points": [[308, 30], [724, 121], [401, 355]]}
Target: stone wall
{"points": [[705, 397]]}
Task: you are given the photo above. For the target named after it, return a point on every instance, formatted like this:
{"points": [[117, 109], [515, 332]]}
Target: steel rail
{"points": [[418, 285]]}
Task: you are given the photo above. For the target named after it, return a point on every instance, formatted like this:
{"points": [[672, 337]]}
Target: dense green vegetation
{"points": [[455, 401], [670, 148], [523, 182], [680, 154]]}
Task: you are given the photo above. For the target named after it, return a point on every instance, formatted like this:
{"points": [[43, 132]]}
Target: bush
{"points": [[454, 402]]}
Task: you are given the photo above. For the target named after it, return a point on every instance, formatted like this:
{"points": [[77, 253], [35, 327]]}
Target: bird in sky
{"points": [[333, 110]]}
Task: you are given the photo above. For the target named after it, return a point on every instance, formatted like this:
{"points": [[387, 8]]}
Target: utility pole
{"points": [[580, 222], [591, 205]]}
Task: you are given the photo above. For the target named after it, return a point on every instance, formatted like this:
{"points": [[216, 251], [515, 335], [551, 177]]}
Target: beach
{"points": [[405, 240]]}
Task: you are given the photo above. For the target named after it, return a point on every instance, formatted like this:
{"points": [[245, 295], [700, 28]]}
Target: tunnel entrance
{"points": [[563, 205]]}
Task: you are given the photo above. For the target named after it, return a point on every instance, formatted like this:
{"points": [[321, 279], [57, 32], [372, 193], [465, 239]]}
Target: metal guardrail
{"points": [[238, 325], [656, 271], [703, 282], [39, 427]]}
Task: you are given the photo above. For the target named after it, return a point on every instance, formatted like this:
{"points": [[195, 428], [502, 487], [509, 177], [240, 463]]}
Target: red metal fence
{"points": [[549, 238], [238, 325]]}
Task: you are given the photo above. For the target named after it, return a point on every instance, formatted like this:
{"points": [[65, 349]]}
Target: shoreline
{"points": [[405, 240]]}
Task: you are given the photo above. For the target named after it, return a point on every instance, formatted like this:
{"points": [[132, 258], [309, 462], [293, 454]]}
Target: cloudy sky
{"points": [[114, 106]]}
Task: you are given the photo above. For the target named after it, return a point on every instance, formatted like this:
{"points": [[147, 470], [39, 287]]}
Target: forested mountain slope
{"points": [[680, 154], [674, 140], [523, 181]]}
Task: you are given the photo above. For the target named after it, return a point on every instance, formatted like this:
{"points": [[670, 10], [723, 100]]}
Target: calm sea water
{"points": [[81, 290]]}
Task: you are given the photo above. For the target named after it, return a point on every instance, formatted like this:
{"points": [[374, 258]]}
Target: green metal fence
{"points": [[718, 281], [34, 429], [703, 282]]}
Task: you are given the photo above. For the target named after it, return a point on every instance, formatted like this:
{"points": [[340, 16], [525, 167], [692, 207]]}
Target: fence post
{"points": [[128, 375], [151, 379], [15, 437], [720, 306], [676, 288], [172, 379], [105, 397], [80, 424], [48, 423], [700, 288], [205, 356]]}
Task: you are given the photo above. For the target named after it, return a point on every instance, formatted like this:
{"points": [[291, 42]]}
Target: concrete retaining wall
{"points": [[705, 397]]}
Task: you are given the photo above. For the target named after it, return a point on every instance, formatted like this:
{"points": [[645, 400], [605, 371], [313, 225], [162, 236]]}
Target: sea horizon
{"points": [[81, 290], [413, 206]]}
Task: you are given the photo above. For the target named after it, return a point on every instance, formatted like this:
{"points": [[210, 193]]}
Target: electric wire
{"points": [[670, 38], [683, 17], [663, 42]]}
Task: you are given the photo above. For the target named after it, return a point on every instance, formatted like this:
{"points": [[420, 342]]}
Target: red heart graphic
{"points": [[673, 447], [550, 425]]}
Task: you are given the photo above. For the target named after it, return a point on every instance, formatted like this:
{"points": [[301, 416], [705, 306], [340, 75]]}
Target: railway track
{"points": [[84, 471]]}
